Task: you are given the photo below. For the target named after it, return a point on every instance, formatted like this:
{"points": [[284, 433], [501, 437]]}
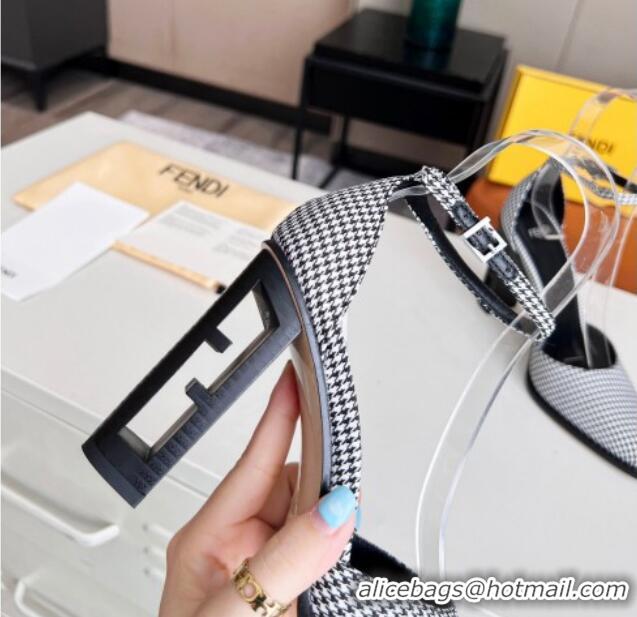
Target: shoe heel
{"points": [[133, 467]]}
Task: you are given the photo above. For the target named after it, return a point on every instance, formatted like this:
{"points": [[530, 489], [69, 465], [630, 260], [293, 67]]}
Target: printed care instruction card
{"points": [[204, 247]]}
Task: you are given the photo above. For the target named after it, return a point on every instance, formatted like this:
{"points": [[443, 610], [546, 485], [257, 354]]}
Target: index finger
{"points": [[244, 491]]}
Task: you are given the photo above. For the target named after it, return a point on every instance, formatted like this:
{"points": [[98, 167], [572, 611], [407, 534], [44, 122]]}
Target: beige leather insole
{"points": [[310, 472]]}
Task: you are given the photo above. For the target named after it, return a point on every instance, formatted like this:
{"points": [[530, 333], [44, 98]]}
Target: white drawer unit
{"points": [[36, 584], [53, 497]]}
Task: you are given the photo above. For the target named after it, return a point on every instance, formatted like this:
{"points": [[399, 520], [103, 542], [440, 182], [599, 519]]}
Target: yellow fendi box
{"points": [[544, 100]]}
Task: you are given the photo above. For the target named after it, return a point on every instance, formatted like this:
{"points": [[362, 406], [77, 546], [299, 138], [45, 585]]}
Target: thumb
{"points": [[306, 547]]}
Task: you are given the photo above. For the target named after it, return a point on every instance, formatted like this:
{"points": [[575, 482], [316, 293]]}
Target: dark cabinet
{"points": [[38, 35]]}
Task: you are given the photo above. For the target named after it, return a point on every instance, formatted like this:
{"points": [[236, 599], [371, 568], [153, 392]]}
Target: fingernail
{"points": [[357, 525], [337, 506]]}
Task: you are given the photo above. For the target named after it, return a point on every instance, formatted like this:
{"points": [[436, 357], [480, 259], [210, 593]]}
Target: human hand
{"points": [[247, 517]]}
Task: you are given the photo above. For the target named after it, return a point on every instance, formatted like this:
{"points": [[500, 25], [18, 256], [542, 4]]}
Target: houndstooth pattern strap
{"points": [[509, 219], [510, 212], [623, 198], [601, 403], [626, 197], [450, 198]]}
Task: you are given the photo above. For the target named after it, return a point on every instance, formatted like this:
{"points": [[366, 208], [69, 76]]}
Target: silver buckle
{"points": [[494, 247]]}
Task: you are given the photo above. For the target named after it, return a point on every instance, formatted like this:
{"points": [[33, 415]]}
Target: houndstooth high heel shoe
{"points": [[303, 281], [575, 375]]}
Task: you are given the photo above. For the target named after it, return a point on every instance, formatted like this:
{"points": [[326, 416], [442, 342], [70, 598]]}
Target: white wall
{"points": [[248, 46], [591, 39]]}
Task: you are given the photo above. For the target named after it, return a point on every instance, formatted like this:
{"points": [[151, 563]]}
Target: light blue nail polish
{"points": [[358, 519], [337, 506]]}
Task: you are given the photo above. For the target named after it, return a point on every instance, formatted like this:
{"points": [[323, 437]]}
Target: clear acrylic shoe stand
{"points": [[594, 304], [601, 221]]}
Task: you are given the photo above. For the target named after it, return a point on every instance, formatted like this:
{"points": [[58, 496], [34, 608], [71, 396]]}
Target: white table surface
{"points": [[533, 501]]}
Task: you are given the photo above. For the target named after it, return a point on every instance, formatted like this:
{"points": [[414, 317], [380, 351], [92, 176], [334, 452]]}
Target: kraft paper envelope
{"points": [[155, 182]]}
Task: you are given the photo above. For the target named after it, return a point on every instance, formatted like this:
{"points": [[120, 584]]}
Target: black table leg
{"points": [[38, 89], [339, 154], [342, 143], [298, 145], [300, 123]]}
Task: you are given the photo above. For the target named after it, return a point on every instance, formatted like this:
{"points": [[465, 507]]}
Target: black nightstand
{"points": [[364, 69]]}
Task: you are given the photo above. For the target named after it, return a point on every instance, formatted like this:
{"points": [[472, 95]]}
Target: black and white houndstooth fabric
{"points": [[596, 184], [526, 293], [329, 243], [600, 403], [509, 218]]}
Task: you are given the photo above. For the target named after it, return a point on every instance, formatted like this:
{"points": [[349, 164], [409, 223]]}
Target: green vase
{"points": [[432, 23]]}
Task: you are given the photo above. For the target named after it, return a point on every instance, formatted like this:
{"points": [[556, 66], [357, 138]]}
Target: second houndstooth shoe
{"points": [[575, 375], [304, 280]]}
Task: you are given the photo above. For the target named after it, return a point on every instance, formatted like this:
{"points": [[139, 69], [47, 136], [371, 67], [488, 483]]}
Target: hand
{"points": [[247, 517]]}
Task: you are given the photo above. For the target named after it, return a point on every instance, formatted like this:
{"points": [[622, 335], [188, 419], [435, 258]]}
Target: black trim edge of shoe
{"points": [[576, 432]]}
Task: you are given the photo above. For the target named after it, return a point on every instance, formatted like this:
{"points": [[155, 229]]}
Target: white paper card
{"points": [[61, 237], [191, 239]]}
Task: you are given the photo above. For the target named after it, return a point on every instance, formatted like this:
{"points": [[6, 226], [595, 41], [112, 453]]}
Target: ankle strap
{"points": [[627, 197], [485, 242]]}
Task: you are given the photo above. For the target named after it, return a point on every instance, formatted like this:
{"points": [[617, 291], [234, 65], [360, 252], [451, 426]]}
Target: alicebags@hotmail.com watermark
{"points": [[479, 589]]}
